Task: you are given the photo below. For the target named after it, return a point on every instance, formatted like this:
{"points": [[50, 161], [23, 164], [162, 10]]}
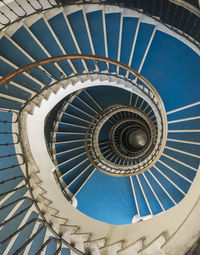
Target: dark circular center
{"points": [[137, 138]]}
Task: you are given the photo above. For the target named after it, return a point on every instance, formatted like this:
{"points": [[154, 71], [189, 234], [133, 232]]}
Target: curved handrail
{"points": [[85, 57], [187, 6], [150, 91], [28, 67]]}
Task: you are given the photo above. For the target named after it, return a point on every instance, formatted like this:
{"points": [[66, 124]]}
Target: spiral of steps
{"points": [[93, 158], [154, 191]]}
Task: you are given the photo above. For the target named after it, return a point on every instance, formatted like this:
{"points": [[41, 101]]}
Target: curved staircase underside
{"points": [[35, 214]]}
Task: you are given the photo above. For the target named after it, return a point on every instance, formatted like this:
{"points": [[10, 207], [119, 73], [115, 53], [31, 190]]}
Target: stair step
{"points": [[155, 246], [133, 39], [67, 230], [133, 248], [92, 247], [112, 249], [78, 239]]}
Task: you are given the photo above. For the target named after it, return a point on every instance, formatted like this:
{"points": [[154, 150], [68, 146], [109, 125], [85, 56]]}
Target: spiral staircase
{"points": [[99, 127]]}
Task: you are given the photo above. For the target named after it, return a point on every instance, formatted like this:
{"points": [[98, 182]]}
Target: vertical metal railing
{"points": [[180, 12], [9, 199]]}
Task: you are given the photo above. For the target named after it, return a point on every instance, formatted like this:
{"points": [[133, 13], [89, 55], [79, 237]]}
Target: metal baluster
{"points": [[12, 88], [61, 73], [12, 166], [41, 7], [19, 16], [19, 230], [25, 12], [19, 213], [78, 67], [13, 190], [10, 133], [9, 20], [11, 179], [49, 1], [9, 111], [47, 242]]}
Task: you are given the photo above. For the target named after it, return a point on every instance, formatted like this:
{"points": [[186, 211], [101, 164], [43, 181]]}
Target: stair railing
{"points": [[95, 65], [101, 163], [17, 10], [100, 66], [24, 183]]}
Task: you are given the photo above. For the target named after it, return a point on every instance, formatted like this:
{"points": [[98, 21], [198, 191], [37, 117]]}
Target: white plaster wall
{"points": [[172, 220], [181, 221]]}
